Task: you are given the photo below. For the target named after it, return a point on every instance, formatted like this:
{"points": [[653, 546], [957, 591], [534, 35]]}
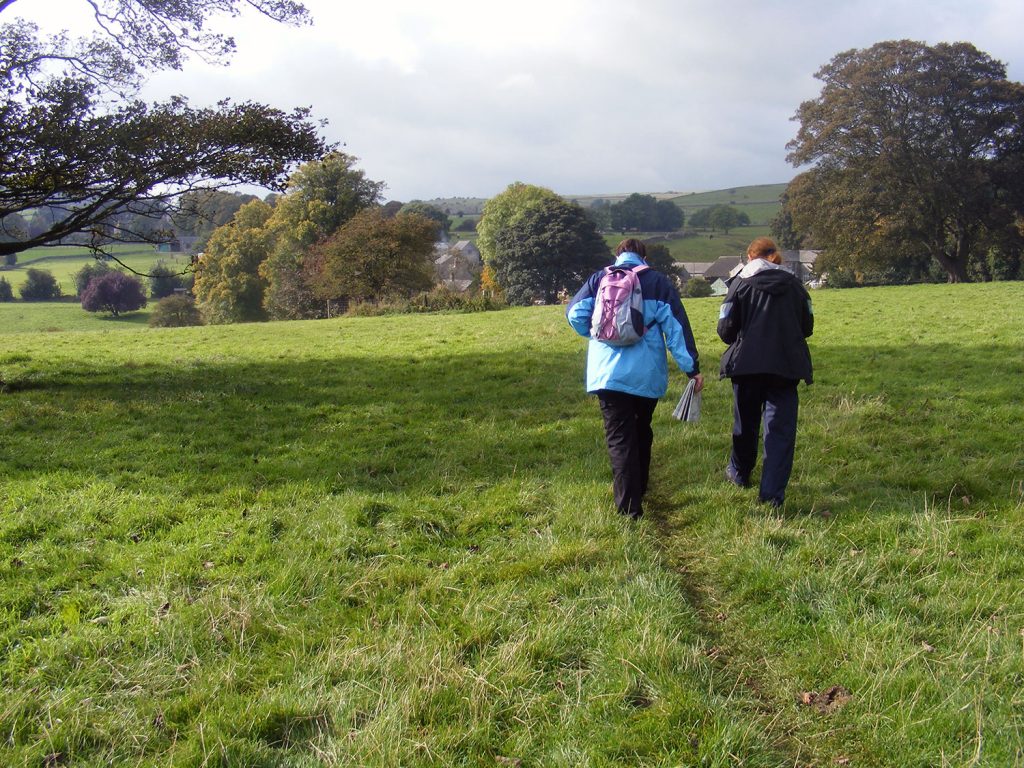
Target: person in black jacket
{"points": [[765, 318]]}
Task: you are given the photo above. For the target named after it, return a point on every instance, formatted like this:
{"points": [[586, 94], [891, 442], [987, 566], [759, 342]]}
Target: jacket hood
{"points": [[628, 258], [763, 275]]}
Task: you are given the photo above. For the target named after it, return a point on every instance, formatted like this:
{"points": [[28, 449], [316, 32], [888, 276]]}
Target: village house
{"points": [[457, 265], [800, 263]]}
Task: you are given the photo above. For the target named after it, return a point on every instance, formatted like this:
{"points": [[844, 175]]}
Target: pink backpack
{"points": [[618, 317]]}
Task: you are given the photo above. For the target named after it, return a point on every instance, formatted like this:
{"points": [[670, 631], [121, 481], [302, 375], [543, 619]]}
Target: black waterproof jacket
{"points": [[765, 318]]}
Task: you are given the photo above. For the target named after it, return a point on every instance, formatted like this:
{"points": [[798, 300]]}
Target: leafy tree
{"points": [[114, 292], [12, 227], [636, 212], [269, 245], [372, 257], [392, 207], [228, 285], [697, 288], [76, 144], [505, 209], [164, 281], [433, 213], [6, 293], [917, 153], [200, 211], [701, 218], [726, 217], [783, 231], [668, 217], [660, 257], [466, 225], [551, 248], [645, 213], [40, 285], [600, 212], [175, 311], [85, 275], [321, 197]]}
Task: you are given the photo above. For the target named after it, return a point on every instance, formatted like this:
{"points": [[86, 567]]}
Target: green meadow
{"points": [[760, 201], [700, 246], [390, 541], [65, 260]]}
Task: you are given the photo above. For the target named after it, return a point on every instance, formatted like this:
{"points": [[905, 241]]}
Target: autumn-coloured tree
{"points": [[373, 257]]}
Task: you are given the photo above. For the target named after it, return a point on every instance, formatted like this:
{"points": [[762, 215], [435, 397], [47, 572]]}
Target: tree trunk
{"points": [[955, 264]]}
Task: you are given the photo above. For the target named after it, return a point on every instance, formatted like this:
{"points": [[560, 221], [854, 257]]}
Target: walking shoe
{"points": [[772, 503], [734, 477]]}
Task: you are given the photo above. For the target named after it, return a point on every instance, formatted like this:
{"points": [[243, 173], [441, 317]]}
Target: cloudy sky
{"points": [[459, 98]]}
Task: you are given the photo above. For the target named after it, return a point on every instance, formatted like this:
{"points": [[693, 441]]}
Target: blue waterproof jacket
{"points": [[641, 368]]}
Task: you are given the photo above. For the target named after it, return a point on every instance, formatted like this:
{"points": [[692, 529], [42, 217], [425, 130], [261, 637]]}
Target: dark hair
{"points": [[633, 246]]}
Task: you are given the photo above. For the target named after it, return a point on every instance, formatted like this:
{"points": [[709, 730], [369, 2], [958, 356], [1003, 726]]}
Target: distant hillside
{"points": [[459, 206], [761, 202]]}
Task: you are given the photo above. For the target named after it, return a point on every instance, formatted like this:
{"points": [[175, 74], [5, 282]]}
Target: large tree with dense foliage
{"points": [[645, 213], [550, 249], [76, 142], [269, 245], [39, 285], [373, 257], [432, 212], [321, 197], [505, 209], [917, 153], [228, 287]]}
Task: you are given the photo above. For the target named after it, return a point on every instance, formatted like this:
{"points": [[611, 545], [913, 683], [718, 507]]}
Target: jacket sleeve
{"points": [[674, 324], [581, 308], [730, 315], [807, 316]]}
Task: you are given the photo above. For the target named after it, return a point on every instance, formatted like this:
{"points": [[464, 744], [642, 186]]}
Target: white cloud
{"points": [[458, 97]]}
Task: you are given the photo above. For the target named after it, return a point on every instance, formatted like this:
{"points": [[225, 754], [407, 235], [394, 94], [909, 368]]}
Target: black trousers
{"points": [[773, 400], [628, 435]]}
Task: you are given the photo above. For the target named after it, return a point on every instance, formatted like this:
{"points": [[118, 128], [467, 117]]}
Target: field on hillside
{"points": [[760, 202], [64, 261], [390, 541], [703, 246]]}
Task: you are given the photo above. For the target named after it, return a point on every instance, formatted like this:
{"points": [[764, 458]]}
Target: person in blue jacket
{"points": [[629, 380]]}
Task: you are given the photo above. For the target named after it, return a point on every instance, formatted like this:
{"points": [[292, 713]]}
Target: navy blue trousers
{"points": [[629, 437], [773, 400]]}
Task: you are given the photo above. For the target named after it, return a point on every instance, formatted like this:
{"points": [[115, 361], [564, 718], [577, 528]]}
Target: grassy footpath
{"points": [[390, 542]]}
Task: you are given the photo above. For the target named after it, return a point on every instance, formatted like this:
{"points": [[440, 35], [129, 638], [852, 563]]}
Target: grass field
{"points": [[760, 202], [703, 246], [390, 541], [64, 261]]}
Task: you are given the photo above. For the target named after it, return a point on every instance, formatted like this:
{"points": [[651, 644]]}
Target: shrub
{"points": [[40, 285], [440, 299], [697, 288], [114, 292], [175, 311], [164, 281], [85, 275], [6, 293]]}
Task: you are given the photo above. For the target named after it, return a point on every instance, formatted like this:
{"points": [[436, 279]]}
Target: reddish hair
{"points": [[764, 248]]}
